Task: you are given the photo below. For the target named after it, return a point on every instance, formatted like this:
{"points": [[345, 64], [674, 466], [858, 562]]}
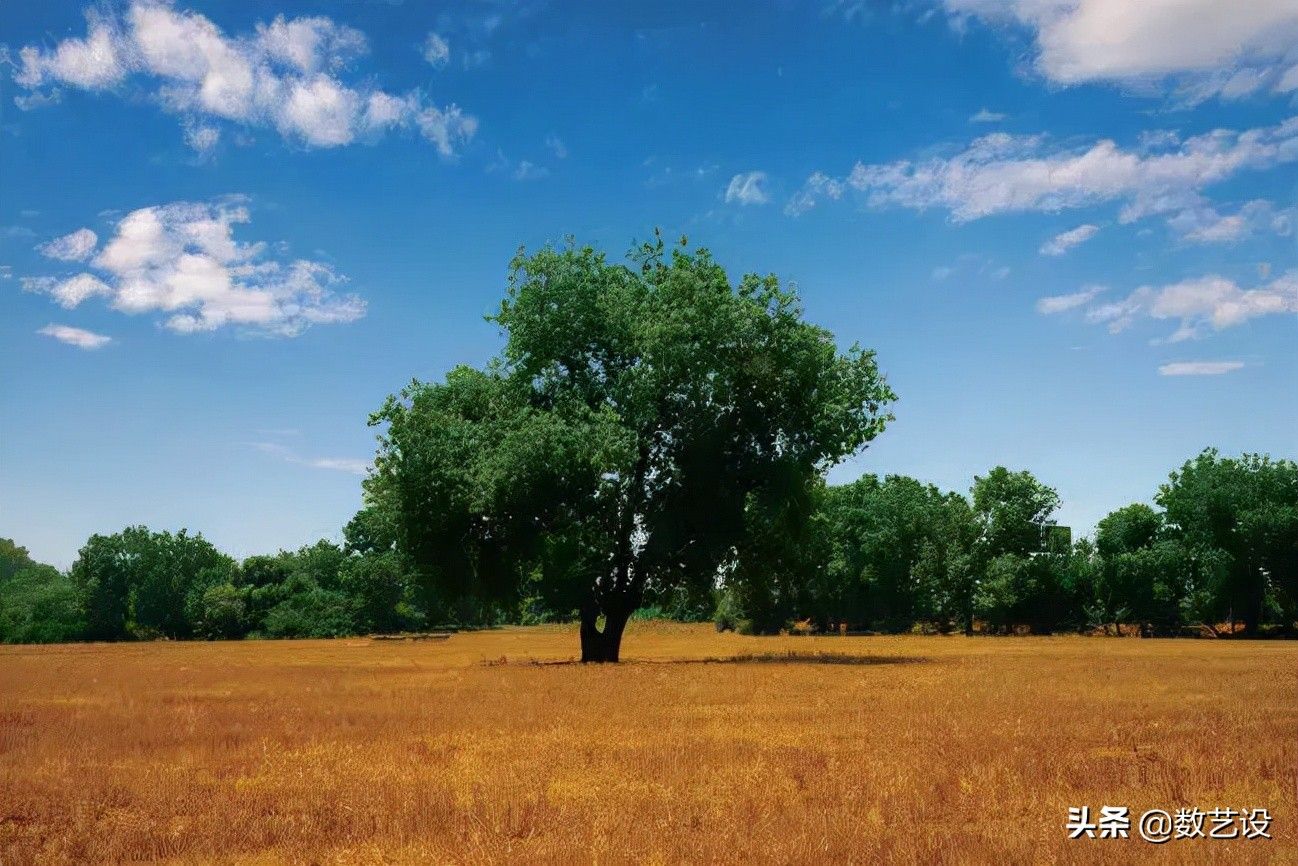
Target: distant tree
{"points": [[1013, 510], [311, 612], [1237, 519], [222, 613], [1140, 575], [636, 417], [39, 604], [379, 587], [138, 582], [878, 532], [13, 559], [1020, 576]]}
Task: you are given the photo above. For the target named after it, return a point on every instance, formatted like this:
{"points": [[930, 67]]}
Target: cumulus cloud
{"points": [[1198, 304], [1001, 173], [284, 75], [72, 247], [1065, 241], [1199, 368], [78, 337], [183, 261], [747, 188], [1207, 47], [1053, 304]]}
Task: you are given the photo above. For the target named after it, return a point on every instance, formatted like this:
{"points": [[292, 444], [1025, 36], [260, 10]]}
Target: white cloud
{"points": [[1065, 241], [446, 129], [78, 337], [1205, 225], [528, 171], [1053, 304], [93, 63], [342, 464], [183, 261], [985, 116], [557, 147], [747, 188], [202, 138], [72, 247], [437, 51], [337, 464], [1197, 304], [71, 292], [818, 186], [1199, 368], [285, 75], [1207, 47], [1001, 173]]}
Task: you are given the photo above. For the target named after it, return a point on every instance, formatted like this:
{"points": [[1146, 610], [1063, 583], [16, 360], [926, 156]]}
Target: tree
{"points": [[1013, 510], [1021, 577], [878, 532], [638, 418], [38, 604], [1140, 575], [142, 583], [1238, 521], [13, 559]]}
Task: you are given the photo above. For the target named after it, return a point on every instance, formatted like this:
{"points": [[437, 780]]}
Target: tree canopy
{"points": [[642, 416]]}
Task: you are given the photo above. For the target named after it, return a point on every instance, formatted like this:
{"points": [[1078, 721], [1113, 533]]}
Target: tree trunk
{"points": [[602, 646]]}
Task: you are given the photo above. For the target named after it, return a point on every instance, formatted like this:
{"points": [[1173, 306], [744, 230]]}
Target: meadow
{"points": [[700, 747]]}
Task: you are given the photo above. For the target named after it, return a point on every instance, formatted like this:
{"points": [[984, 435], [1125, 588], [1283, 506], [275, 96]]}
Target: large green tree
{"points": [[641, 416], [1238, 520]]}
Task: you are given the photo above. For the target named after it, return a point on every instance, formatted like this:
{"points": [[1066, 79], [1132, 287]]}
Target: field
{"points": [[490, 747]]}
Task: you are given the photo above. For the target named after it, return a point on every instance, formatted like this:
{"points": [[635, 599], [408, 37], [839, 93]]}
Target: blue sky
{"points": [[227, 231]]}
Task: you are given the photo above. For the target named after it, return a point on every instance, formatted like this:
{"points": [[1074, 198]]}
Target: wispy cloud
{"points": [[437, 51], [72, 247], [1065, 241], [336, 464], [1199, 368], [1210, 301], [748, 188], [985, 116], [78, 337], [1054, 304], [1001, 173]]}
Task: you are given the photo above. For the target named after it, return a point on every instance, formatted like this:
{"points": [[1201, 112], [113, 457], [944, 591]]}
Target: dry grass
{"points": [[468, 750]]}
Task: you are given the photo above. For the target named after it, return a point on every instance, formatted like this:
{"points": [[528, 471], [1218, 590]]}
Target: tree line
{"points": [[655, 437], [889, 554]]}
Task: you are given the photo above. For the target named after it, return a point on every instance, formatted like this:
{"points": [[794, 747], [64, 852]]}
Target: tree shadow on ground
{"points": [[789, 658]]}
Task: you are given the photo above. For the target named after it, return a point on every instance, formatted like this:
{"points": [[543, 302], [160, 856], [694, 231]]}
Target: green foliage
{"points": [[1237, 520], [643, 419], [311, 612], [39, 605], [1013, 510], [142, 582], [222, 613]]}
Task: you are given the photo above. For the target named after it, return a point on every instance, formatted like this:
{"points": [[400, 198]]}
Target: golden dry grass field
{"points": [[699, 748]]}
